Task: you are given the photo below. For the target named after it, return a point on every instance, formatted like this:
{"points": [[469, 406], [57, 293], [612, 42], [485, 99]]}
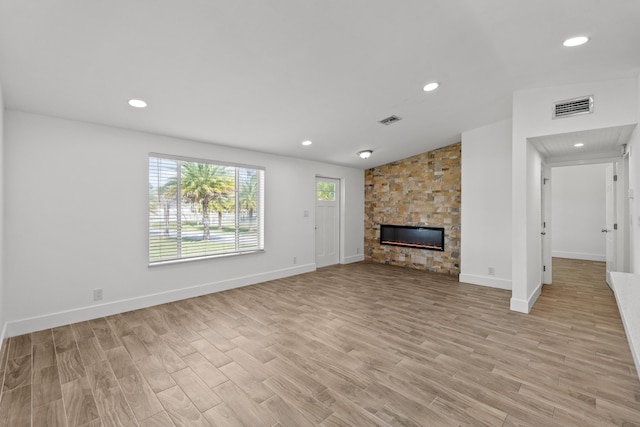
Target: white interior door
{"points": [[610, 226], [327, 221]]}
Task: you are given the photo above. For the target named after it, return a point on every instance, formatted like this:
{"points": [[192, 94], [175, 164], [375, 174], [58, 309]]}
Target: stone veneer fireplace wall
{"points": [[422, 190]]}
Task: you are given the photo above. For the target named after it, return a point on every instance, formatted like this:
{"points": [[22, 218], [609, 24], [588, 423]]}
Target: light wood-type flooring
{"points": [[349, 345]]}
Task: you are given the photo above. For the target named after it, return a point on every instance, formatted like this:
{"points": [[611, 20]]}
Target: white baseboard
{"points": [[52, 320], [524, 306], [3, 334], [352, 259], [579, 255], [490, 281]]}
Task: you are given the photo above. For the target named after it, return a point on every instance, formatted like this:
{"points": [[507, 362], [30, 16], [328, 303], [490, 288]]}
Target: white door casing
{"points": [[610, 219], [546, 218]]}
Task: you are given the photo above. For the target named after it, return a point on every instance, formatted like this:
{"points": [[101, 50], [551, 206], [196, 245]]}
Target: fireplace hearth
{"points": [[431, 238]]}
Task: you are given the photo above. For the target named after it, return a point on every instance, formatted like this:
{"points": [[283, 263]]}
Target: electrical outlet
{"points": [[295, 260], [97, 294], [492, 271]]}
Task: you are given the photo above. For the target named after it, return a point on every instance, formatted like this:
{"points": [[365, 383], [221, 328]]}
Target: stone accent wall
{"points": [[422, 190]]}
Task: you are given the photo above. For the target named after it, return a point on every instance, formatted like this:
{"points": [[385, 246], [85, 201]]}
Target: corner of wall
{"points": [[525, 306]]}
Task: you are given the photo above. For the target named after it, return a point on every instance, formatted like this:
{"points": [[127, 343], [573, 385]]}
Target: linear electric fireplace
{"points": [[431, 238]]}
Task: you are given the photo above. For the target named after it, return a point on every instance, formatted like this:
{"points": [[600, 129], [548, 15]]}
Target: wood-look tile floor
{"points": [[353, 345]]}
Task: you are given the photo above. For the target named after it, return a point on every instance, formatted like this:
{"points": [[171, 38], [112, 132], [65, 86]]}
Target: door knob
{"points": [[544, 233], [604, 230]]}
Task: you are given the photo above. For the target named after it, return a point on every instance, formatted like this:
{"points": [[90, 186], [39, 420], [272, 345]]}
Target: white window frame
{"points": [[259, 211]]}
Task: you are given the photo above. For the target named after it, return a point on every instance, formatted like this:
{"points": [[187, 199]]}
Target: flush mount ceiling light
{"points": [[137, 103], [365, 154], [307, 142], [578, 144], [431, 86], [575, 41]]}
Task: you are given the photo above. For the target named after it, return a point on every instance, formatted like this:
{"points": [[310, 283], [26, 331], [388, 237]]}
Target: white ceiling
{"points": [[265, 75], [599, 144]]}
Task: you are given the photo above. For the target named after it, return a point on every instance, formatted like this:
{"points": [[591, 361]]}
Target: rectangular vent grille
{"points": [[573, 107], [390, 120]]}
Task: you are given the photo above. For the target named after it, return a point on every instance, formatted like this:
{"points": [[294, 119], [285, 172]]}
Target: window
{"points": [[326, 190], [200, 209]]}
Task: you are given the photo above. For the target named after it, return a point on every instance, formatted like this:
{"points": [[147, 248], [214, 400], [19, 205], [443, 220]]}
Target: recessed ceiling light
{"points": [[578, 144], [431, 86], [307, 142], [575, 41], [137, 103], [365, 154]]}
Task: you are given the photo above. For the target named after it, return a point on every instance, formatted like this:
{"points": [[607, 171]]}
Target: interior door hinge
{"points": [[615, 226], [544, 268], [615, 177]]}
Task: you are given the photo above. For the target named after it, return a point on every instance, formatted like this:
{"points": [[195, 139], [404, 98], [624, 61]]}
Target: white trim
{"points": [[579, 255], [523, 306], [352, 259], [489, 281], [38, 323], [583, 160], [3, 334]]}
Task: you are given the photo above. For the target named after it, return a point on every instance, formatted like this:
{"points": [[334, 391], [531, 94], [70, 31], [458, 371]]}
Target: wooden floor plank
{"points": [[46, 386], [142, 400], [79, 404], [15, 408], [50, 414], [181, 409], [222, 415], [17, 372], [196, 389], [114, 409]]}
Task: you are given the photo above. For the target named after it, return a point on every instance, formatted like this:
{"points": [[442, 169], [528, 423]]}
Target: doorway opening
{"points": [[581, 213], [584, 205]]}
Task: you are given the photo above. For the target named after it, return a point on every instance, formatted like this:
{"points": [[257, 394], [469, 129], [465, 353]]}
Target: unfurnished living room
{"points": [[319, 213]]}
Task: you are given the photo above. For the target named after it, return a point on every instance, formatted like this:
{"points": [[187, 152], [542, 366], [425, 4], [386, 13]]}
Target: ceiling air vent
{"points": [[573, 107], [390, 120]]}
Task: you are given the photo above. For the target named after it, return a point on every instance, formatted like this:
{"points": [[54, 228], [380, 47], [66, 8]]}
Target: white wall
{"points": [[534, 222], [578, 212], [2, 172], [486, 206], [634, 188], [616, 104], [76, 215]]}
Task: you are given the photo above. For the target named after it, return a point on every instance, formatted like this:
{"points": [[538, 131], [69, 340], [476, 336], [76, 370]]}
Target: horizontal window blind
{"points": [[199, 208]]}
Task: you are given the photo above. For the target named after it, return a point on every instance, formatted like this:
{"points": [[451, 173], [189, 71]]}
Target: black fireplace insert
{"points": [[431, 238]]}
